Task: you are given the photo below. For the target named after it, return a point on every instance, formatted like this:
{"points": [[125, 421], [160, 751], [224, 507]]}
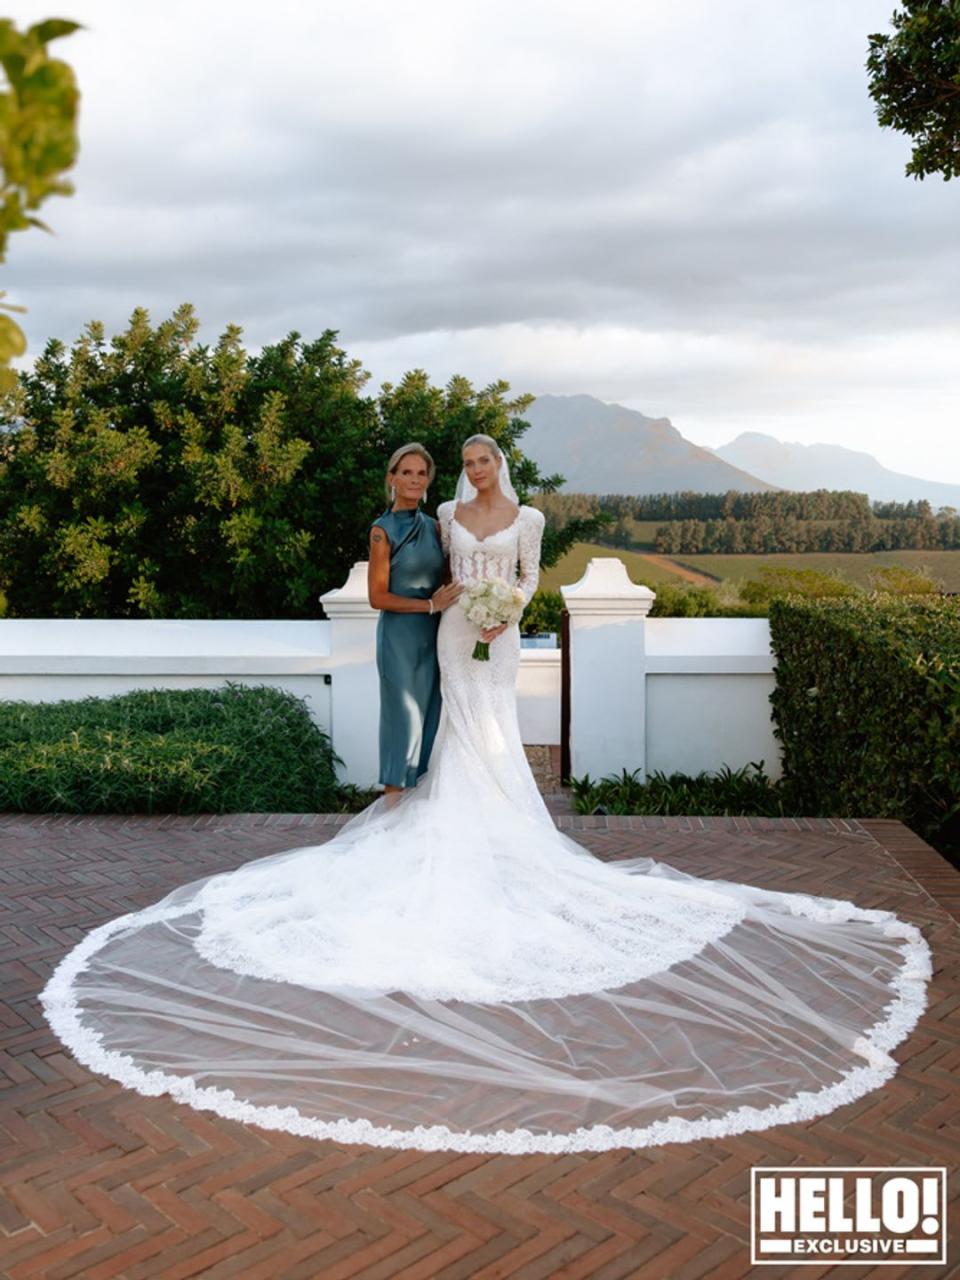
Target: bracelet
{"points": [[430, 599]]}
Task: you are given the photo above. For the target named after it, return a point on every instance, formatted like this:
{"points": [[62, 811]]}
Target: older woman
{"points": [[405, 577]]}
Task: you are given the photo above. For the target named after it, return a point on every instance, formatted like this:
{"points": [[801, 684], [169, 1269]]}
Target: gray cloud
{"points": [[401, 171]]}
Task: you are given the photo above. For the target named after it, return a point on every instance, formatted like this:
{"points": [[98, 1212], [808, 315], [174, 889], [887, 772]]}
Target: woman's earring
{"points": [[393, 493], [424, 498]]}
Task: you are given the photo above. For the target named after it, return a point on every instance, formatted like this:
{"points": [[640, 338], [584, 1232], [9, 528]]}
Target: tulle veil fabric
{"points": [[465, 492], [452, 972]]}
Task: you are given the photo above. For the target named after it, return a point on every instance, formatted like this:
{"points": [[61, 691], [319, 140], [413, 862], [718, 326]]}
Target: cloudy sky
{"points": [[686, 208]]}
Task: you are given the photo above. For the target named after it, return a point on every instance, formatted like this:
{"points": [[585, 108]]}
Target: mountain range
{"points": [[608, 448]]}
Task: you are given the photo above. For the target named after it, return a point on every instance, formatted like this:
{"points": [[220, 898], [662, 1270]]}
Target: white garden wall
{"points": [[650, 693]]}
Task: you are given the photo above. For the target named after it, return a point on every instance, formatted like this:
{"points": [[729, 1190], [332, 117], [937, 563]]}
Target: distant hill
{"points": [[789, 465], [606, 448]]}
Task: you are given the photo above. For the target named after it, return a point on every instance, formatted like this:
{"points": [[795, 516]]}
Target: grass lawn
{"points": [[854, 566], [571, 567], [942, 565]]}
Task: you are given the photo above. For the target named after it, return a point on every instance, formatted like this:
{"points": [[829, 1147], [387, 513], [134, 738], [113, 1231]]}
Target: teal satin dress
{"points": [[407, 650]]}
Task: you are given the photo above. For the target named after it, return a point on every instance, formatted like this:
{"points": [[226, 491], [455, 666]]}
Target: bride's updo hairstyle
{"points": [[398, 456], [487, 440]]}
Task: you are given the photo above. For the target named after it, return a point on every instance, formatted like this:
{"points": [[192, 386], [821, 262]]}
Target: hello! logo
{"points": [[879, 1215]]}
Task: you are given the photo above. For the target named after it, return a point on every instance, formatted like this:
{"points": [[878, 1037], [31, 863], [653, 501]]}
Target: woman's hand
{"points": [[446, 595], [491, 633]]}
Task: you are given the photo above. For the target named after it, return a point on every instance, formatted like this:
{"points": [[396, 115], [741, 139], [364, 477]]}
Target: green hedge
{"points": [[728, 791], [235, 749], [867, 708], [542, 614], [674, 600]]}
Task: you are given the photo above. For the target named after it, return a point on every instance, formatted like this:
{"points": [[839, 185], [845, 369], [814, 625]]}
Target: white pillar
{"points": [[355, 691], [607, 669]]}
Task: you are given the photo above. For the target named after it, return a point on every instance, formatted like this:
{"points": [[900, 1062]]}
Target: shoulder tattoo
{"points": [[377, 536]]}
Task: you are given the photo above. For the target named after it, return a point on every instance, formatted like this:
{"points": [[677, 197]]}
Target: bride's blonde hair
{"points": [[487, 440], [398, 456]]}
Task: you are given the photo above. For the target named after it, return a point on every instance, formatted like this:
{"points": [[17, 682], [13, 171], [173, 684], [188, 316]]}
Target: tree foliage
{"points": [[38, 143], [776, 521], [915, 83], [766, 535], [151, 476]]}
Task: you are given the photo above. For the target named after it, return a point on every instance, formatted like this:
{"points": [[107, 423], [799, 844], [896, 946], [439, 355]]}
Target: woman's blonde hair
{"points": [[397, 457], [487, 440]]}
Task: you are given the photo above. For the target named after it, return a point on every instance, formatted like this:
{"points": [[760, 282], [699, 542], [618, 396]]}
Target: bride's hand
{"points": [[446, 595], [491, 633]]}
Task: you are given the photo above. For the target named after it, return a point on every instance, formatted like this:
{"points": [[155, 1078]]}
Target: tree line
{"points": [[687, 504], [781, 521], [764, 534]]}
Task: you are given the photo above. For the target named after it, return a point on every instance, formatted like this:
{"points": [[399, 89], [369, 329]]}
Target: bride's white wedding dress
{"points": [[452, 972]]}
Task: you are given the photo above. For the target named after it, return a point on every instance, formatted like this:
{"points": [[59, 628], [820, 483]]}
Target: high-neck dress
{"points": [[407, 649]]}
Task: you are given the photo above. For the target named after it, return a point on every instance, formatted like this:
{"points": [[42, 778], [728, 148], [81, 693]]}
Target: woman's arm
{"points": [[378, 583], [447, 571], [378, 579], [530, 540], [528, 555]]}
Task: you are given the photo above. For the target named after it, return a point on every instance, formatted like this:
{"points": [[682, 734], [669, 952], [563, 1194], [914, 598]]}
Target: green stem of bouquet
{"points": [[481, 651]]}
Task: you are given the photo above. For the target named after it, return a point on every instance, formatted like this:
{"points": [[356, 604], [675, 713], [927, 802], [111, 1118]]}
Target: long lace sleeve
{"points": [[530, 538], [444, 514]]}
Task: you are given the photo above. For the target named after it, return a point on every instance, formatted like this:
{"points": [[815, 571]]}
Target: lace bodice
{"points": [[499, 554]]}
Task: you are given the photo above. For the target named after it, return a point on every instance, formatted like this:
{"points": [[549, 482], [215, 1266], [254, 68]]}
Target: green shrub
{"points": [[897, 579], [728, 791], [542, 614], [867, 707], [687, 600], [780, 580], [226, 750], [676, 601]]}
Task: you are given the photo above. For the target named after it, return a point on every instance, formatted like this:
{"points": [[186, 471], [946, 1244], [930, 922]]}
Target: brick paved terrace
{"points": [[99, 1182]]}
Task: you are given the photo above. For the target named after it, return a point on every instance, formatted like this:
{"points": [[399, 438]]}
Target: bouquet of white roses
{"points": [[489, 603]]}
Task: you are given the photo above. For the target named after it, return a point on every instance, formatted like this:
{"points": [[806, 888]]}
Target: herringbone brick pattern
{"points": [[97, 1182]]}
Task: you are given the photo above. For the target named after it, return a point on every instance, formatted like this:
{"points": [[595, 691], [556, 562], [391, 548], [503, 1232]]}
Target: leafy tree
{"points": [[543, 613], [915, 83], [38, 143], [153, 476], [897, 579], [779, 580]]}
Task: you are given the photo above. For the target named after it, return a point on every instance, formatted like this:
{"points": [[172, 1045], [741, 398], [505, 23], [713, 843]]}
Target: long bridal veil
{"points": [[452, 972]]}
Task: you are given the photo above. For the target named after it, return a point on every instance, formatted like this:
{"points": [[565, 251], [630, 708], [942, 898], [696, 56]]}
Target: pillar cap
{"points": [[606, 588], [350, 600]]}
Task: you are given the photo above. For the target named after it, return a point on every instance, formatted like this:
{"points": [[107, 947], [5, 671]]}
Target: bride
{"points": [[451, 972]]}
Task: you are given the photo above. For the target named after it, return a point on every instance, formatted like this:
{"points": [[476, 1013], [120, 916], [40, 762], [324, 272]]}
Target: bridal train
{"points": [[451, 972]]}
